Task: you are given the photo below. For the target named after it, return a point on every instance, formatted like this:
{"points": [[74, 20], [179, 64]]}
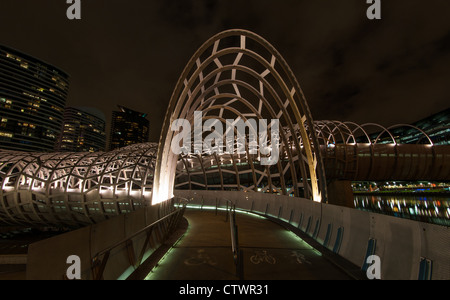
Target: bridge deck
{"points": [[269, 252]]}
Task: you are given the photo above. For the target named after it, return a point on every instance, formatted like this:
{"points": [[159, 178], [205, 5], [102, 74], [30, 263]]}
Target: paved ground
{"points": [[269, 252]]}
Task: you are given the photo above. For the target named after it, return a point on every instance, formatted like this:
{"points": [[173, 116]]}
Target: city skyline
{"points": [[388, 71]]}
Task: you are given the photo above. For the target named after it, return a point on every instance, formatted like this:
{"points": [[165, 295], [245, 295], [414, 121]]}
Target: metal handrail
{"points": [[234, 236], [100, 265], [136, 233]]}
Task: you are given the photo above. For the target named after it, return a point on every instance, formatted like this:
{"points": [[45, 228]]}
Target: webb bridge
{"points": [[122, 208]]}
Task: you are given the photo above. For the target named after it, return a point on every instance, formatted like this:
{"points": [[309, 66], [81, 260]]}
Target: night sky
{"points": [[132, 52]]}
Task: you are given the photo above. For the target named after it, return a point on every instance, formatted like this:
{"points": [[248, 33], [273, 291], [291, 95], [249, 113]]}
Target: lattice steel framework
{"points": [[349, 151], [239, 75], [72, 189], [234, 75]]}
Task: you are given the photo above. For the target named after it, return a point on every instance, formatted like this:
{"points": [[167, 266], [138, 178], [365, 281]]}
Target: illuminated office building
{"points": [[33, 95], [436, 127], [83, 130], [128, 127]]}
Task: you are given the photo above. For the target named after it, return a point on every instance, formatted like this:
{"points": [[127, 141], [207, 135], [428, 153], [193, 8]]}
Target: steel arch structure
{"points": [[238, 74], [353, 152]]}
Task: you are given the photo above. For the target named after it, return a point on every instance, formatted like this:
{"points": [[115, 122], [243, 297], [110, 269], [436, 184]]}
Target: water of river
{"points": [[430, 209]]}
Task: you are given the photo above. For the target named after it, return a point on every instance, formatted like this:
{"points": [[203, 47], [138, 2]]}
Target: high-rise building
{"points": [[33, 95], [83, 130], [128, 127]]}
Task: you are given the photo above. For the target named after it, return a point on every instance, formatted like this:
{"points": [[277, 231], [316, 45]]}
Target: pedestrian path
{"points": [[268, 252]]}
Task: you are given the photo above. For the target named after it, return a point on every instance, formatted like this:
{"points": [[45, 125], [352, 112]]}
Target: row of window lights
{"points": [[36, 104], [25, 65]]}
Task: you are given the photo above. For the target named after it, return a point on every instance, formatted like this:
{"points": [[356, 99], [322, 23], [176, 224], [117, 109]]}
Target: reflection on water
{"points": [[430, 209]]}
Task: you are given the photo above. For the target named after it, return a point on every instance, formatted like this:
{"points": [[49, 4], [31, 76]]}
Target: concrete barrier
{"points": [[408, 249]]}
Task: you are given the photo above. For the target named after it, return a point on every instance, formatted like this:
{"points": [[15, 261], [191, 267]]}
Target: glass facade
{"points": [[436, 126], [33, 95], [82, 131], [128, 127]]}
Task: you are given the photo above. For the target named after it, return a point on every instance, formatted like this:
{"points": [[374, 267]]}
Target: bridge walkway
{"points": [[268, 252]]}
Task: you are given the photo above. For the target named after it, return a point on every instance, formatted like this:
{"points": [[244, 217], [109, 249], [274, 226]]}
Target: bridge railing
{"points": [[167, 225], [231, 215]]}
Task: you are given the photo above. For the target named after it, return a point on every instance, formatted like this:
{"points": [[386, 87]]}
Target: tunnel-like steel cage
{"points": [[69, 189]]}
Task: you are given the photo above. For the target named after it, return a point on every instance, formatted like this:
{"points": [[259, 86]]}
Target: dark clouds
{"points": [[395, 70]]}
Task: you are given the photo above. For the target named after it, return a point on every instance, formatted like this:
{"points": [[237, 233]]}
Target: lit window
{"points": [[6, 134], [12, 57]]}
